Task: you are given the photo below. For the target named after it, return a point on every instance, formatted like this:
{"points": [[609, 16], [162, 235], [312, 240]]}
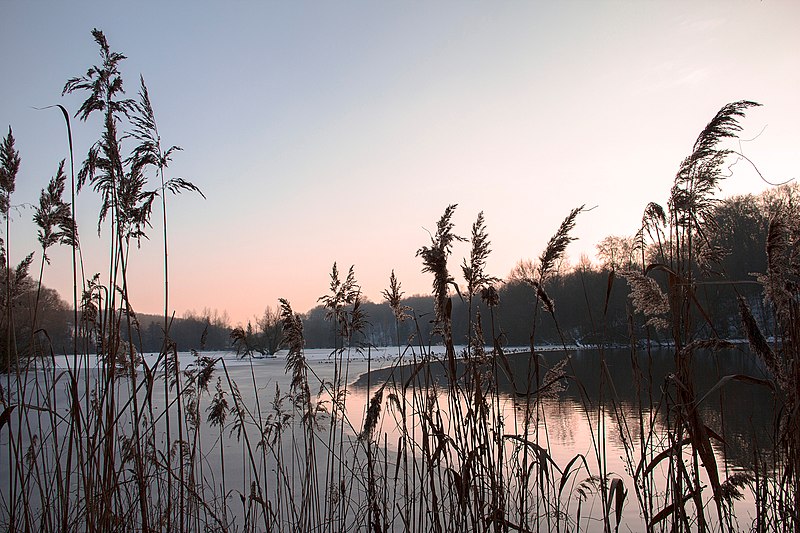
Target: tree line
{"points": [[591, 300], [591, 303]]}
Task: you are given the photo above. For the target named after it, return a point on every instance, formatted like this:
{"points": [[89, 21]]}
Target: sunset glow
{"points": [[339, 132]]}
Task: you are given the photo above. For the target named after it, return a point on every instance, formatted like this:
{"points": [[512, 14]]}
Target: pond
{"points": [[401, 448], [612, 409]]}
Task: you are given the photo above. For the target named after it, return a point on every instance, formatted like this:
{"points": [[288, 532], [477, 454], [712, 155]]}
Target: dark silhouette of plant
{"points": [[9, 166], [781, 284], [56, 225], [149, 153], [688, 253], [434, 260]]}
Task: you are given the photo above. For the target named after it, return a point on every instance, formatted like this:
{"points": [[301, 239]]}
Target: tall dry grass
{"points": [[438, 446]]}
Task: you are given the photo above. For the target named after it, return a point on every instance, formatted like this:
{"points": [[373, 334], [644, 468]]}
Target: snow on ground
{"points": [[317, 355]]}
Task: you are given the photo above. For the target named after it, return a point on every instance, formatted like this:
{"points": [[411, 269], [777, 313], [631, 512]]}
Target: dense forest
{"points": [[591, 303]]}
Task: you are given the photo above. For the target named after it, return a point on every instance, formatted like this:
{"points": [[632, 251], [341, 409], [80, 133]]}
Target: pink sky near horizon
{"points": [[325, 133]]}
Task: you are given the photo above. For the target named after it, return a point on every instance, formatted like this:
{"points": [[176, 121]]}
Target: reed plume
{"points": [[434, 259], [9, 167], [394, 297], [648, 299], [557, 245]]}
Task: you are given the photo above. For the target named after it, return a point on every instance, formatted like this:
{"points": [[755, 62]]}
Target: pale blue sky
{"points": [[338, 131]]}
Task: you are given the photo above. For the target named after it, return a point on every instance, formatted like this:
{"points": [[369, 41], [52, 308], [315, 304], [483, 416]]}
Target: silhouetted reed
{"points": [[112, 443]]}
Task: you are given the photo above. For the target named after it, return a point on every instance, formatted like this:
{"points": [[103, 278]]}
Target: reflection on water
{"points": [[612, 401], [609, 399], [741, 412]]}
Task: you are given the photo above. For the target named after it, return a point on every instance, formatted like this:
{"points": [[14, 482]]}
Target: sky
{"points": [[324, 132]]}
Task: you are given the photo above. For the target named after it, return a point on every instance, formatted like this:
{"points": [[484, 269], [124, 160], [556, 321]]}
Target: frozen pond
{"points": [[608, 403]]}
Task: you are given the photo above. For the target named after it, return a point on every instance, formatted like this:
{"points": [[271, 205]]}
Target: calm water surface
{"points": [[606, 395]]}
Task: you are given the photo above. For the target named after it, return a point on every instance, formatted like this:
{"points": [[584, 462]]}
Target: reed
{"points": [[438, 445]]}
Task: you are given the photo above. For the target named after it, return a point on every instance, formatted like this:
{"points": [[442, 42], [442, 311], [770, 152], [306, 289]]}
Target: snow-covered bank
{"points": [[317, 355]]}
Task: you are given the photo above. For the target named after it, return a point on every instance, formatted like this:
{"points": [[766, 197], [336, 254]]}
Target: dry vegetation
{"points": [[124, 446]]}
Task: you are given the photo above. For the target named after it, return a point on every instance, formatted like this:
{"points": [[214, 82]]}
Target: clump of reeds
{"points": [[781, 358], [423, 457], [100, 445], [665, 292]]}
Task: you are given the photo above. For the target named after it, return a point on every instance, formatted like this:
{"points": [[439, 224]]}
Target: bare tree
{"points": [[271, 329]]}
